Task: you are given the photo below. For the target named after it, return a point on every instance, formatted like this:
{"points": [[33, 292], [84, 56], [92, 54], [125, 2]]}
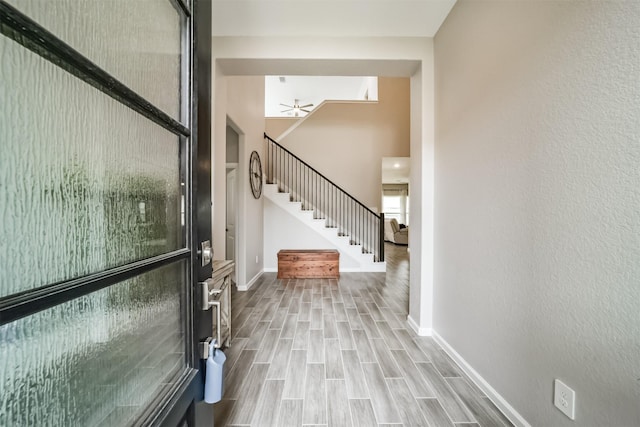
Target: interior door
{"points": [[231, 210], [99, 222]]}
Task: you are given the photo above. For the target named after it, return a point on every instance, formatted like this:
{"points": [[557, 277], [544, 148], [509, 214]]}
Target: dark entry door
{"points": [[100, 223]]}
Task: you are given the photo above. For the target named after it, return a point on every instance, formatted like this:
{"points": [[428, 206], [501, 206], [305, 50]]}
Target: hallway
{"points": [[338, 353]]}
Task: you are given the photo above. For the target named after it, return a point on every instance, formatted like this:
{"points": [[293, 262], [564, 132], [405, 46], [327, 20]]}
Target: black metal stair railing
{"points": [[327, 200]]}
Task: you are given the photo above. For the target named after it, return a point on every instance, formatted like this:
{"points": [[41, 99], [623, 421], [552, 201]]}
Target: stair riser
{"points": [[342, 243]]}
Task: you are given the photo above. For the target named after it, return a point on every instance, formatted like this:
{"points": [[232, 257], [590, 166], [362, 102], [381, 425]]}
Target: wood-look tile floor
{"points": [[320, 352]]}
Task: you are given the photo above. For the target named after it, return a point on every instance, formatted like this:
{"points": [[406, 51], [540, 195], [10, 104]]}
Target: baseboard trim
{"points": [[251, 282], [342, 270], [423, 332], [491, 393]]}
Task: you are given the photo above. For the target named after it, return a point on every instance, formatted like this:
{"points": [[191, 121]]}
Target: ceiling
{"points": [[395, 170], [329, 18]]}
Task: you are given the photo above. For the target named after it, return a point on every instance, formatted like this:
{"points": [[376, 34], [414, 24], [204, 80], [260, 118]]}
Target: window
{"points": [[395, 202]]}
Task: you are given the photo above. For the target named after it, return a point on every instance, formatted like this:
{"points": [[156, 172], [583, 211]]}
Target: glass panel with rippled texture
{"points": [[85, 183], [138, 42], [97, 360]]}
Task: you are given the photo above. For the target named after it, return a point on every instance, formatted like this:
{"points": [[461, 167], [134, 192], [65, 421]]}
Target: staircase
{"points": [[303, 192]]}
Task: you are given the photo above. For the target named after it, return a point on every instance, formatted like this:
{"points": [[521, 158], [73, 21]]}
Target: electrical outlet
{"points": [[256, 259], [565, 399]]}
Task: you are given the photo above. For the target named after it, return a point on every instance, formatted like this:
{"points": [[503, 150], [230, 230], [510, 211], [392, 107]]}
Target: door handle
{"points": [[209, 293]]}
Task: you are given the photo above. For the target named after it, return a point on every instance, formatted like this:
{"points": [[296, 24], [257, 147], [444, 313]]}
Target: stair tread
{"points": [[366, 259]]}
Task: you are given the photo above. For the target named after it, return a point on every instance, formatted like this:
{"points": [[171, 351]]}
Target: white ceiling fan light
{"points": [[296, 108]]}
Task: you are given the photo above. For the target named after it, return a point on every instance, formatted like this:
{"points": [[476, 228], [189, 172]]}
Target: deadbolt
{"points": [[205, 253]]}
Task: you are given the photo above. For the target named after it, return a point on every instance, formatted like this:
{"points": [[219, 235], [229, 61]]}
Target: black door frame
{"points": [[186, 405], [179, 405], [200, 412]]}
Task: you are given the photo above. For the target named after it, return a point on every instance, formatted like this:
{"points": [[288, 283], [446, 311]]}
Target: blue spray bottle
{"points": [[213, 383]]}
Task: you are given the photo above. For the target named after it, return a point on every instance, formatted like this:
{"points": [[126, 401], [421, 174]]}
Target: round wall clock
{"points": [[255, 174]]}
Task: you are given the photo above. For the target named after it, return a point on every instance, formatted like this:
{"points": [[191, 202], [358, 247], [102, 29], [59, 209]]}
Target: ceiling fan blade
{"points": [[306, 111], [306, 106], [286, 111], [288, 106]]}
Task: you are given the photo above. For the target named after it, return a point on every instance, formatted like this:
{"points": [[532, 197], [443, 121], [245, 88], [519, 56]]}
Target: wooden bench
{"points": [[308, 264]]}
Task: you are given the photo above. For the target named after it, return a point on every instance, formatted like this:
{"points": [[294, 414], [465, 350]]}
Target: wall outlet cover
{"points": [[564, 399]]}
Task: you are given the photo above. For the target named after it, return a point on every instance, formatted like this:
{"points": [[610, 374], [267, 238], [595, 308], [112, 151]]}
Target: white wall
{"points": [[537, 268], [347, 141], [239, 99], [285, 231]]}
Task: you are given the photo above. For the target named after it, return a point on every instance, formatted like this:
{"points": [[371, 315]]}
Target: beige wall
{"points": [[275, 126], [239, 100], [346, 141], [537, 208]]}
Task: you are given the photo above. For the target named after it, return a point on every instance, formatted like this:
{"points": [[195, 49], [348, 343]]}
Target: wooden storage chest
{"points": [[308, 264]]}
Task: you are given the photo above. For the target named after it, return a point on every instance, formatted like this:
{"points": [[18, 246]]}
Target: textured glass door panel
{"points": [[85, 183], [138, 42], [96, 360]]}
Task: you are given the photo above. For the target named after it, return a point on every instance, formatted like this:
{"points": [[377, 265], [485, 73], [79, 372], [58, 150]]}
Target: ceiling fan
{"points": [[296, 107]]}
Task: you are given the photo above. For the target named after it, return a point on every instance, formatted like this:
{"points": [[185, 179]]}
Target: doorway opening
{"points": [[231, 200], [395, 188]]}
